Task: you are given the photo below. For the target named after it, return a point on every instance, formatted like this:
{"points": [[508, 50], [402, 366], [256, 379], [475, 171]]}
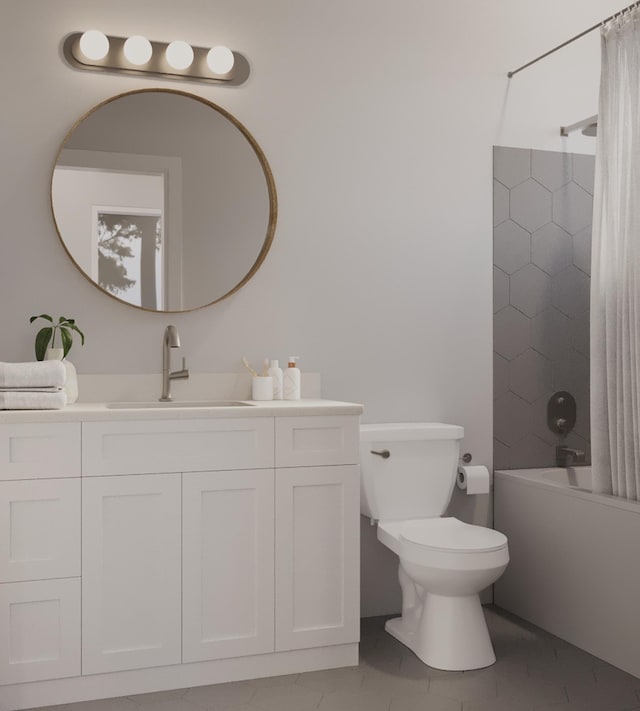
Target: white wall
{"points": [[378, 120]]}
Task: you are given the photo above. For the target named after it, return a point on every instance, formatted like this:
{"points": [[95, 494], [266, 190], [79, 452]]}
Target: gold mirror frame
{"points": [[271, 188]]}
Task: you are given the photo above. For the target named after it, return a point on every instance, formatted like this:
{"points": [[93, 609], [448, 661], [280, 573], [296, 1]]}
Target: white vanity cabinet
{"points": [[199, 549], [39, 551]]}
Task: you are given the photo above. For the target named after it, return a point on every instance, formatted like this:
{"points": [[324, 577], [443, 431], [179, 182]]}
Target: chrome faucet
{"points": [[568, 457], [171, 340]]}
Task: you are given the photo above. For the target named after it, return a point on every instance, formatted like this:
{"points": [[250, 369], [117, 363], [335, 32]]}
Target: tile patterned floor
{"points": [[534, 672]]}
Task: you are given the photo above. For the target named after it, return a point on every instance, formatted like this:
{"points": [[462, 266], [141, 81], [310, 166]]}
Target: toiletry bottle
{"points": [[276, 373], [291, 380]]}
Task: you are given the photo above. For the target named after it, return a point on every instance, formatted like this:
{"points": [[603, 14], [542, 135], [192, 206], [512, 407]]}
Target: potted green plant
{"points": [[47, 335], [46, 349]]}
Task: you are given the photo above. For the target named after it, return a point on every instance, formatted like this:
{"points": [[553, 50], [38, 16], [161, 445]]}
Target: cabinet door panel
{"points": [[40, 450], [130, 572], [39, 529], [228, 557], [317, 556], [40, 630]]}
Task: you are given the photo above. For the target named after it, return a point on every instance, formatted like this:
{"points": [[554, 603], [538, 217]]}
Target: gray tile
{"points": [[511, 419], [221, 695], [598, 696], [411, 681], [551, 169], [584, 168], [571, 373], [539, 426], [608, 674], [530, 375], [501, 458], [329, 680], [533, 690], [550, 333], [579, 332], [157, 696], [353, 701], [169, 704], [531, 205], [570, 291], [470, 686], [117, 704], [500, 290], [511, 166], [499, 704], [572, 208], [530, 290], [500, 376], [268, 681], [511, 247], [292, 696], [425, 702], [551, 248], [531, 452], [511, 333], [582, 249], [500, 203]]}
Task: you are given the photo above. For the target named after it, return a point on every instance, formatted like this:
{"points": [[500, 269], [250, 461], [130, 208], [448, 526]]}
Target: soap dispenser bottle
{"points": [[276, 373], [291, 380]]}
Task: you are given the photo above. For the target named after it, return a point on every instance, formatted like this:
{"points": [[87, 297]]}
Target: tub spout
{"points": [[568, 457]]}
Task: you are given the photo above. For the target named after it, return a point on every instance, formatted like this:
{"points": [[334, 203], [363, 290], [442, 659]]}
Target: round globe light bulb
{"points": [[138, 50], [220, 60], [179, 54], [94, 44]]}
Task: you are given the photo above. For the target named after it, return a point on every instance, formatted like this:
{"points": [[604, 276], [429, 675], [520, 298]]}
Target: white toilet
{"points": [[409, 471]]}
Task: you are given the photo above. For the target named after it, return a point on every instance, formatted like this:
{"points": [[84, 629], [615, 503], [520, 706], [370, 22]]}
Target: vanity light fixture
{"points": [[96, 51]]}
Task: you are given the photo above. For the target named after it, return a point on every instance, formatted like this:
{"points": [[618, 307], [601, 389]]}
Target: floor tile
{"points": [[535, 671], [157, 696], [220, 696], [286, 698]]}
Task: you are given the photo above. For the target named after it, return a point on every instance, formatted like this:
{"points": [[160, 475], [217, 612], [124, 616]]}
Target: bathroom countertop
{"points": [[100, 411]]}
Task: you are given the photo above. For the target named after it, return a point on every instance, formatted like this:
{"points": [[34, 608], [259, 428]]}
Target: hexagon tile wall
{"points": [[542, 206]]}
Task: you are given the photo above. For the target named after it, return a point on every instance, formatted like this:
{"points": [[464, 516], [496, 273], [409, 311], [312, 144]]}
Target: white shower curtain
{"points": [[615, 271]]}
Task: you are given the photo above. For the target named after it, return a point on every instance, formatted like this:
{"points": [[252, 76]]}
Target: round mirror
{"points": [[163, 200]]}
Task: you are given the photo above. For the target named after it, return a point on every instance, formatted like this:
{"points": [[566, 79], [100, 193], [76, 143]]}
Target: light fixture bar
{"points": [[158, 64]]}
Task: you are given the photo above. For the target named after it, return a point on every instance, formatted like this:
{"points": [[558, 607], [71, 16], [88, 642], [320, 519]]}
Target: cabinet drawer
{"points": [[40, 629], [39, 529], [317, 441], [141, 447], [39, 451]]}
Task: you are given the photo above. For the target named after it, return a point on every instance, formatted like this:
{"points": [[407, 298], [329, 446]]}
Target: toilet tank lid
{"points": [[405, 431]]}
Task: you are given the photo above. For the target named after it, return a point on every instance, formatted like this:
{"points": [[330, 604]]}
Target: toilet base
{"points": [[448, 633]]}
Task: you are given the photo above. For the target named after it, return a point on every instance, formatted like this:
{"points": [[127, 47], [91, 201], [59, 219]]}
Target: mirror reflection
{"points": [[163, 200]]}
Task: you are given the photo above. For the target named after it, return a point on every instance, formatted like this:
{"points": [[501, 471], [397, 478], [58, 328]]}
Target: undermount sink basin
{"points": [[156, 404]]}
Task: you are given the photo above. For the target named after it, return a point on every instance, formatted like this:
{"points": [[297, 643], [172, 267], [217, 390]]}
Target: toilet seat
{"points": [[447, 544], [449, 535]]}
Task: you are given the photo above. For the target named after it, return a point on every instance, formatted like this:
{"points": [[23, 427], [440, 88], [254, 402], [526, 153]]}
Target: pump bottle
{"points": [[291, 380]]}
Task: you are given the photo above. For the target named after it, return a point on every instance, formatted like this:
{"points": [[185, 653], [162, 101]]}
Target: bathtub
{"points": [[575, 560]]}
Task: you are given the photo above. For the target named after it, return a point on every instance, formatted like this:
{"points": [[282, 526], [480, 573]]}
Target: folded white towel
{"points": [[25, 400], [39, 374], [30, 390]]}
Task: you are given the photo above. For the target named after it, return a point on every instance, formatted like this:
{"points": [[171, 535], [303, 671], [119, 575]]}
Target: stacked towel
{"points": [[32, 386]]}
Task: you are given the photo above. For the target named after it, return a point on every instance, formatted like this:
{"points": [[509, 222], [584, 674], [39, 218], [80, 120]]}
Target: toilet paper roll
{"points": [[474, 480]]}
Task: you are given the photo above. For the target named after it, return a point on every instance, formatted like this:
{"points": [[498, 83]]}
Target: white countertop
{"points": [[97, 411]]}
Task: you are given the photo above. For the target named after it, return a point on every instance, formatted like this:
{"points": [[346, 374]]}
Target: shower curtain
{"points": [[615, 269]]}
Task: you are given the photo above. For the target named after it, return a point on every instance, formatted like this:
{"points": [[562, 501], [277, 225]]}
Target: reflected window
{"points": [[130, 255]]}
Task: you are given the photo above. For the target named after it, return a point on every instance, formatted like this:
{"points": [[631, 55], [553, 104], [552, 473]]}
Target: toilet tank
{"points": [[416, 480]]}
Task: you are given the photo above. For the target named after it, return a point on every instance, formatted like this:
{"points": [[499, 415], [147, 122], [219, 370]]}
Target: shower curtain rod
{"points": [[573, 39]]}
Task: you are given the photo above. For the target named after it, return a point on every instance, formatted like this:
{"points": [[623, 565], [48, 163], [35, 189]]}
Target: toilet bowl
{"points": [[408, 475]]}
